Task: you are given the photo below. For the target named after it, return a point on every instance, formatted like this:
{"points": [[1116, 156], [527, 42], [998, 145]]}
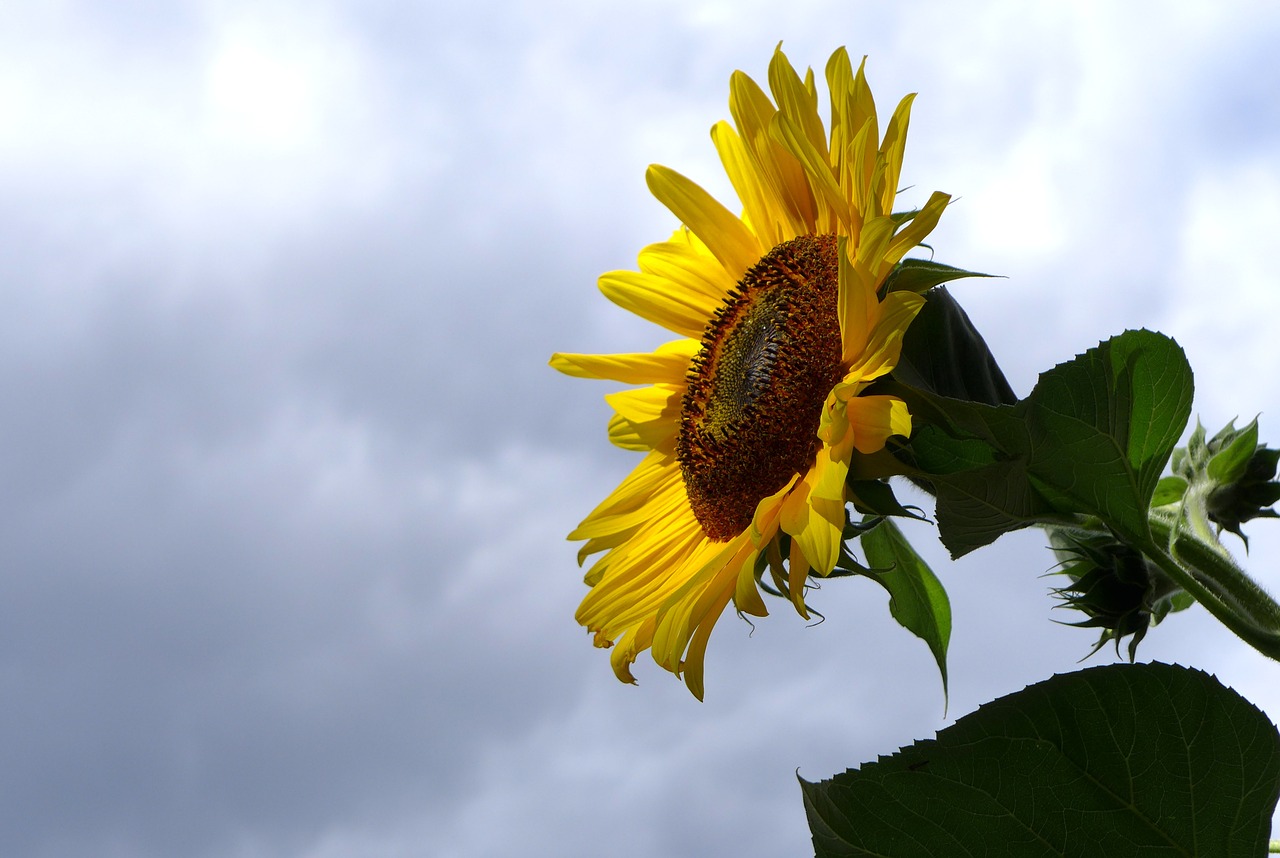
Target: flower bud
{"points": [[1117, 589], [1236, 472]]}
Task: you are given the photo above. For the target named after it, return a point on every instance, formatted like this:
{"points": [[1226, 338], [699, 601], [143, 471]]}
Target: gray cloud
{"points": [[285, 476]]}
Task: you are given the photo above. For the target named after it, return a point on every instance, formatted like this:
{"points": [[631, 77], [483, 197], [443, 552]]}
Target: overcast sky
{"points": [[284, 476]]}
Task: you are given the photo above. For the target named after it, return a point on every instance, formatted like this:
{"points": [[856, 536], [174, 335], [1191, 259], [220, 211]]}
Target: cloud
{"points": [[285, 476]]}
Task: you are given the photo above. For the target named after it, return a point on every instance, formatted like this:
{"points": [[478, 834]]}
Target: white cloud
{"points": [[286, 477]]}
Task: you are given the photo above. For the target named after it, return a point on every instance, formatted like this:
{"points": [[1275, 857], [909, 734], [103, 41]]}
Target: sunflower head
{"points": [[749, 420]]}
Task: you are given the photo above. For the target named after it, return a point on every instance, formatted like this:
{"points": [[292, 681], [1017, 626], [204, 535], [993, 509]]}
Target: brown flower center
{"points": [[769, 358]]}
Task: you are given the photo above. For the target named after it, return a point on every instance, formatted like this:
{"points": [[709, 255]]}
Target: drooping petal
{"points": [[696, 654], [883, 344], [690, 605], [633, 642], [809, 522], [874, 418], [799, 573]]}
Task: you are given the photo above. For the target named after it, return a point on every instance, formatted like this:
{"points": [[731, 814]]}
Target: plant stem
{"points": [[1265, 638], [1213, 566]]}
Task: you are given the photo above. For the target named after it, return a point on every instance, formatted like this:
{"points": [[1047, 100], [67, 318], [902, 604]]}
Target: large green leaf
{"points": [[942, 351], [1123, 760], [1102, 426], [1092, 437], [917, 599]]}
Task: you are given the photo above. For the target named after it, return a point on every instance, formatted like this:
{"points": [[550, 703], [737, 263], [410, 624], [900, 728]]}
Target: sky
{"points": [[285, 478]]}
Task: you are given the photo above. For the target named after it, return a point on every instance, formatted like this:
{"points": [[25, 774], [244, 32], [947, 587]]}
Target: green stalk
{"points": [[1215, 568], [1254, 619], [1206, 570]]}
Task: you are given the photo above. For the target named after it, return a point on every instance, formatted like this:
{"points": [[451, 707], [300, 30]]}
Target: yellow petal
{"points": [[695, 657], [654, 472], [659, 301], [764, 522], [746, 596], [627, 436], [892, 149], [669, 364], [840, 88], [916, 231], [752, 113], [652, 412], [883, 346], [874, 418], [833, 208], [645, 575], [761, 211], [799, 573], [689, 606], [647, 404], [660, 503], [828, 488], [797, 103], [688, 266], [805, 518], [633, 642], [685, 626], [723, 233], [857, 305]]}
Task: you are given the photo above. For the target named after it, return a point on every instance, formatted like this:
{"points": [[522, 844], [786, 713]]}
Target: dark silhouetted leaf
{"points": [[1117, 761], [943, 353]]}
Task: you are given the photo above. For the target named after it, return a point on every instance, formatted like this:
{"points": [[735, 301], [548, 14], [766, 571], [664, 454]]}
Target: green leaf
{"points": [[917, 599], [1123, 760], [1093, 437], [1101, 427], [943, 353]]}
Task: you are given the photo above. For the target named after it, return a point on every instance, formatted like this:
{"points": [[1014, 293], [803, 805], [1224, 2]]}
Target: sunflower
{"points": [[748, 422]]}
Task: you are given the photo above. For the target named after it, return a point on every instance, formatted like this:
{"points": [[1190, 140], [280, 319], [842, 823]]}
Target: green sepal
{"points": [[921, 275], [1169, 490], [1113, 585], [876, 498], [1235, 450]]}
